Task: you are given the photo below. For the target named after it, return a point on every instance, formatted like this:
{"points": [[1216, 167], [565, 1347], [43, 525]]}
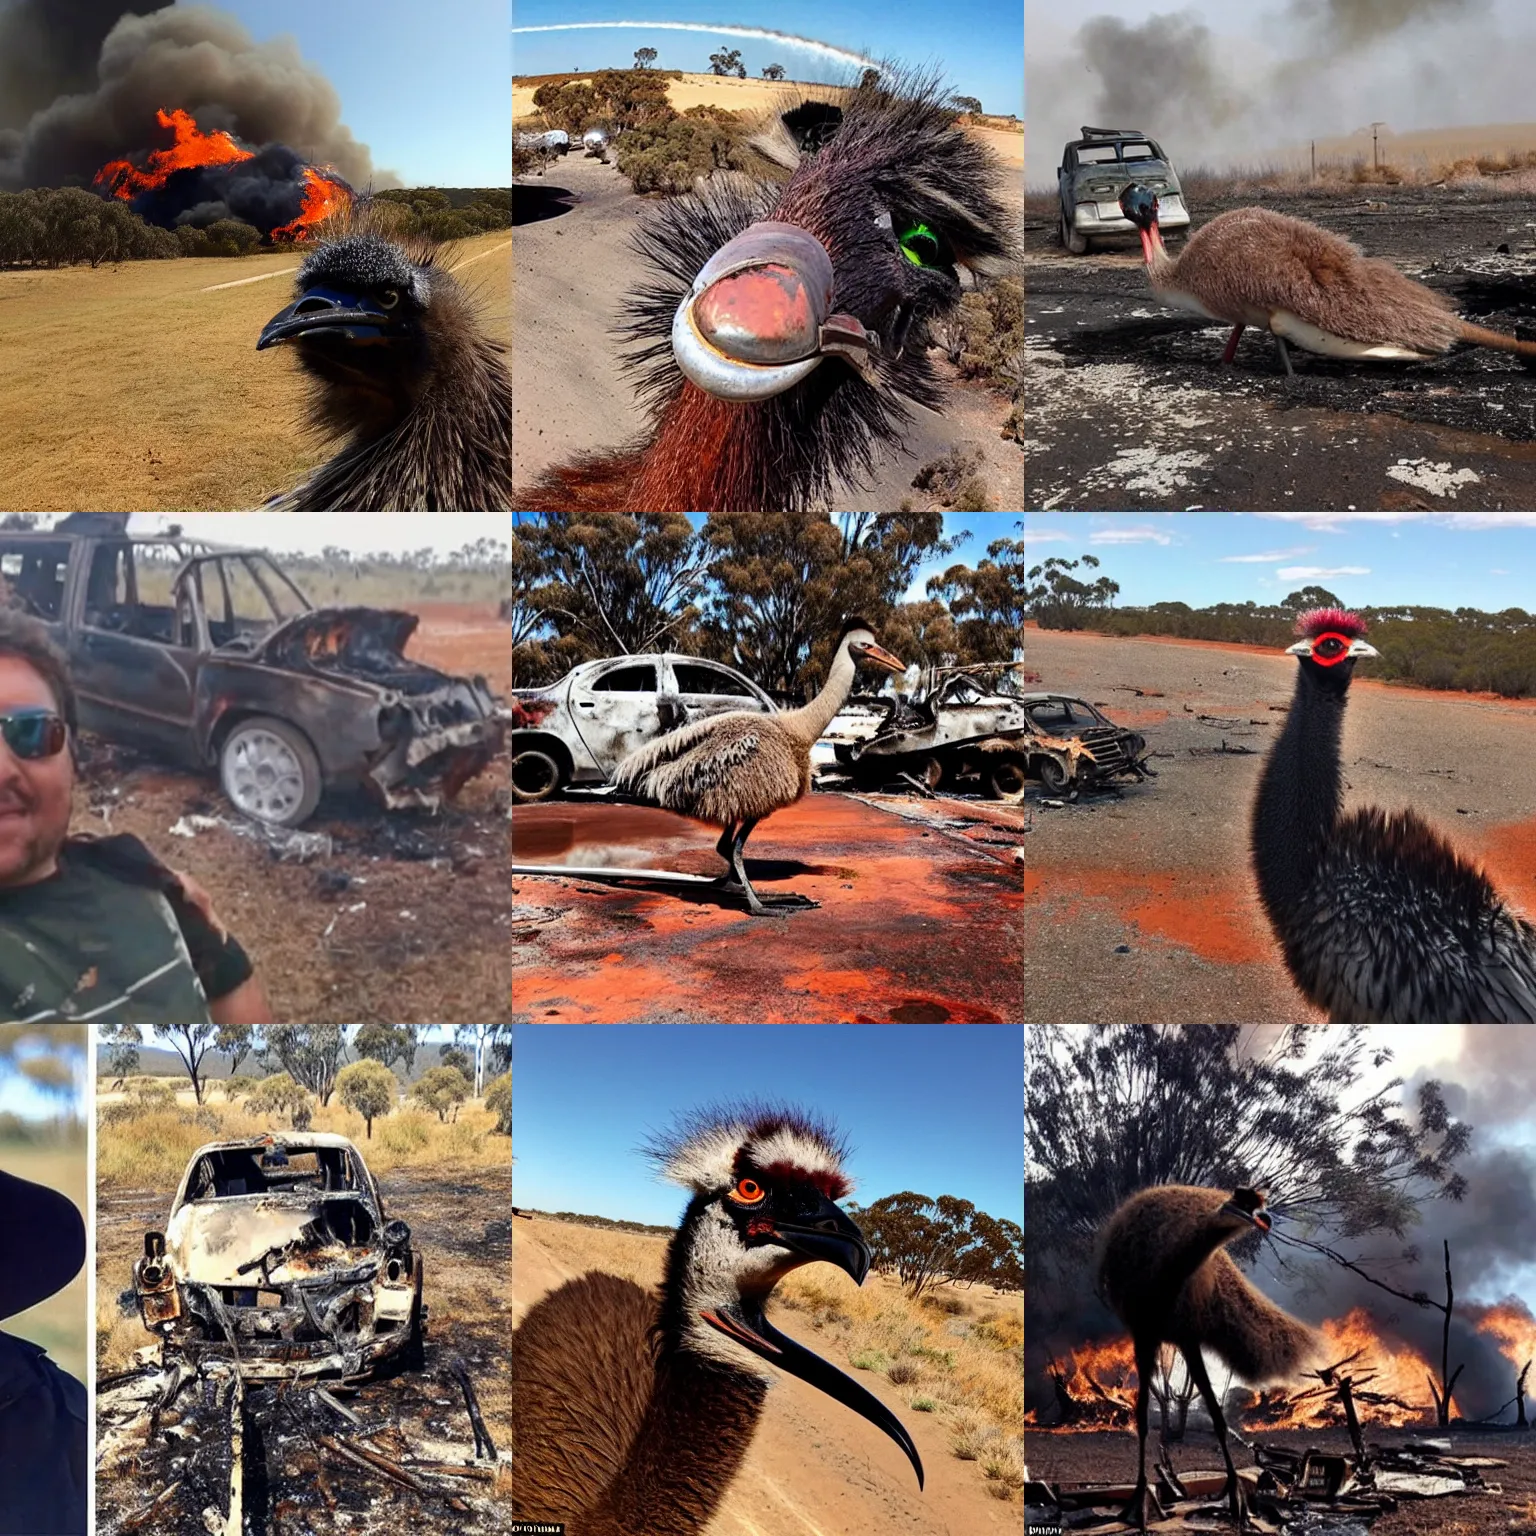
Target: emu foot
{"points": [[1143, 1507], [765, 906]]}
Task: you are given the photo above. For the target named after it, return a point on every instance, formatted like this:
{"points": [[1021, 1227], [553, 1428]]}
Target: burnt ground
{"points": [[1132, 409], [1142, 903], [1109, 1455], [459, 1223], [921, 917]]}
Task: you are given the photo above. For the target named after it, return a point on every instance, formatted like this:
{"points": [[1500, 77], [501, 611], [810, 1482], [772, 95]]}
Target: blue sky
{"points": [[980, 47], [19, 1097], [1436, 559], [938, 1109], [425, 87]]}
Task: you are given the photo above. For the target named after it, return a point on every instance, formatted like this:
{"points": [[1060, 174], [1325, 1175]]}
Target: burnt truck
{"points": [[211, 656], [279, 1261]]}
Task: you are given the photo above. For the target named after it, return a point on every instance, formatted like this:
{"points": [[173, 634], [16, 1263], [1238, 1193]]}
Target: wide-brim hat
{"points": [[44, 1244]]}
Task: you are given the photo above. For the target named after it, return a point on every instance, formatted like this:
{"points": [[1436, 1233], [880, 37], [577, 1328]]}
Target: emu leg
{"points": [[759, 906], [1231, 353], [1285, 354], [1143, 1506], [1201, 1378]]}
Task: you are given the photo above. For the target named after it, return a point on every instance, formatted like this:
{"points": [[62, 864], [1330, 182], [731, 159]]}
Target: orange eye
{"points": [[748, 1191]]}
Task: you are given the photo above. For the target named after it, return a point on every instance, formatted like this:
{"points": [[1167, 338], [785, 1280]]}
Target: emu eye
{"points": [[922, 247], [389, 298], [748, 1192], [1328, 646]]}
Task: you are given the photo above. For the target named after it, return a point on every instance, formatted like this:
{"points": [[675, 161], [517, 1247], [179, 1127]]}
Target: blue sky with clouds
{"points": [[980, 47], [1437, 559], [937, 1109]]}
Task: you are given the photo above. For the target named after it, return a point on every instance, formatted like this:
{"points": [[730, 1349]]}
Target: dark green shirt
{"points": [[43, 1478], [110, 938]]}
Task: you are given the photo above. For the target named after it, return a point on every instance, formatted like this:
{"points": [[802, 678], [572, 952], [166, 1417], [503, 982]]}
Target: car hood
{"points": [[366, 644], [1124, 172], [209, 1241]]}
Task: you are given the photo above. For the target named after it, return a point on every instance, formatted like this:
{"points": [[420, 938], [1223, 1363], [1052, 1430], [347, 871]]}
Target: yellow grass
{"points": [[968, 1363], [131, 388], [151, 1150], [1004, 138], [59, 1323]]}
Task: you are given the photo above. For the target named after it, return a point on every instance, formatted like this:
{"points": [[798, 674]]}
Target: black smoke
{"points": [[81, 82]]}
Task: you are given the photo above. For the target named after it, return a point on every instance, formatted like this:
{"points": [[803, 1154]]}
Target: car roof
{"points": [[1042, 698], [170, 540], [289, 1141]]}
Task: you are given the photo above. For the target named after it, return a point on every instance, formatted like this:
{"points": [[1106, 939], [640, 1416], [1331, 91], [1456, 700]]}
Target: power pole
{"points": [[1375, 161]]}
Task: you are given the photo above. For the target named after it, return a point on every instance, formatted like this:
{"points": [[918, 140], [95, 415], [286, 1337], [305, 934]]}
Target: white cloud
{"points": [[1494, 570], [1141, 535], [1268, 557], [1478, 522], [1031, 537], [1333, 522], [1312, 572]]}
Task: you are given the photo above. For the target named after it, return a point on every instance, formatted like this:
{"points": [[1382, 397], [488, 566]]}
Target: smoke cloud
{"points": [[1354, 23], [80, 90]]}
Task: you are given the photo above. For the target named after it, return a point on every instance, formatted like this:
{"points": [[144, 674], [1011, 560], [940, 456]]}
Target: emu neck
{"points": [[1300, 795], [807, 723], [1161, 267]]}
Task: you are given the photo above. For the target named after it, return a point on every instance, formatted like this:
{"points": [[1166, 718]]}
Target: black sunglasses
{"points": [[32, 734]]}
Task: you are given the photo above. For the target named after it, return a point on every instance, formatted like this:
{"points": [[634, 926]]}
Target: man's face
{"points": [[34, 795]]}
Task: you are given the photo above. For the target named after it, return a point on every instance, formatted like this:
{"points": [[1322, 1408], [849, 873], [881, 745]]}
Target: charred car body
{"points": [[211, 655], [1069, 745], [278, 1261], [965, 723], [1096, 169]]}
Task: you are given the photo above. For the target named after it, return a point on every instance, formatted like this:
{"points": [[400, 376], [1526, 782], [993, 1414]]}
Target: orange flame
{"points": [[1511, 1323], [192, 147], [323, 196]]}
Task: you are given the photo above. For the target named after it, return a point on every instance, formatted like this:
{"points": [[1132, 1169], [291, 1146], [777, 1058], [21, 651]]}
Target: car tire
{"points": [[269, 772], [536, 776], [1005, 778], [1074, 242], [1053, 777], [414, 1357]]}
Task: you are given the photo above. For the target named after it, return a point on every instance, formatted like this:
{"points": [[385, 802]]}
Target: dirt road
{"points": [[921, 917], [814, 1467], [1132, 409], [1142, 905], [573, 266]]}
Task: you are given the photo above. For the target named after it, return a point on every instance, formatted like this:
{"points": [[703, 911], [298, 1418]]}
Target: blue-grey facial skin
{"points": [[34, 794]]}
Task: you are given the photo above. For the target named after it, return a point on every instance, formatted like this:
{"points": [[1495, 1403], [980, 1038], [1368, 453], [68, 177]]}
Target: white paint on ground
{"points": [[1437, 479], [240, 282]]}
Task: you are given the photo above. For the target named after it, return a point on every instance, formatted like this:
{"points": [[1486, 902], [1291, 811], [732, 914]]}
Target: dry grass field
{"points": [[955, 1354], [139, 387], [59, 1323]]}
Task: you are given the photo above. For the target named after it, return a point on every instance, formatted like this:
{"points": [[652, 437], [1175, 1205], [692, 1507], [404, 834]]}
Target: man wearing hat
{"points": [[43, 1476]]}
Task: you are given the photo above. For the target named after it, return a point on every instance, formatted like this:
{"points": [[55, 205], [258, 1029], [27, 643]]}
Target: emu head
{"points": [[808, 301], [376, 323], [765, 1182], [1331, 643]]}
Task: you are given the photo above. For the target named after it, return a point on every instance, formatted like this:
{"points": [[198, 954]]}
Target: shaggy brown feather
{"points": [[607, 1437], [1163, 1271], [1254, 260]]}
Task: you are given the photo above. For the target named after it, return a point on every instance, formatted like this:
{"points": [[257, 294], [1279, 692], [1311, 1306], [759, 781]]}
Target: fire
{"points": [[1511, 1323], [324, 195], [193, 147]]}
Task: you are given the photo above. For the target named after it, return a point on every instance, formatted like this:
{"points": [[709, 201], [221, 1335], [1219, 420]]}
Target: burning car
{"points": [[578, 730], [279, 1260], [211, 655], [1097, 168], [1068, 744]]}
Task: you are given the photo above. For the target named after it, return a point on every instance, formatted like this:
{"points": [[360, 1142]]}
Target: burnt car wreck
{"points": [[1069, 745], [212, 657], [278, 1259]]}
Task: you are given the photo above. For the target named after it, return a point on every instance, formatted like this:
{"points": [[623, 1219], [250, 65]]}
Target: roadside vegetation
{"points": [[1465, 649]]}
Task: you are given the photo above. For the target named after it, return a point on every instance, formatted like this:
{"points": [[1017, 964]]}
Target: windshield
{"points": [[242, 595]]}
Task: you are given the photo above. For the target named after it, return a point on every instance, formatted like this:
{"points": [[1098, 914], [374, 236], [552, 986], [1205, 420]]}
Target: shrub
{"points": [[954, 480], [868, 1360], [368, 1087], [498, 1099], [903, 1373], [924, 1405], [280, 1095], [668, 155], [440, 1090], [405, 1133]]}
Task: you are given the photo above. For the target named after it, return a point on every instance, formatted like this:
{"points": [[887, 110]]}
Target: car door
{"points": [[706, 688], [616, 708]]}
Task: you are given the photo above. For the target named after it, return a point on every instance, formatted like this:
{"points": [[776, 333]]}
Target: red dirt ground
{"points": [[918, 923]]}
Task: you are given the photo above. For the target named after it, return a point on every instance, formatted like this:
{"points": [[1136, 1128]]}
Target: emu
{"points": [[632, 1417], [401, 373], [734, 769], [784, 326], [1163, 1272]]}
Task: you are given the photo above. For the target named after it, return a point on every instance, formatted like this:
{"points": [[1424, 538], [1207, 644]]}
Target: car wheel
{"points": [[415, 1355], [269, 772], [536, 776], [1053, 777], [1074, 242], [931, 772], [1005, 778]]}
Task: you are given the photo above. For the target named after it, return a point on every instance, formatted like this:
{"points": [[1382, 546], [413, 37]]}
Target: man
{"points": [[44, 1482], [92, 928]]}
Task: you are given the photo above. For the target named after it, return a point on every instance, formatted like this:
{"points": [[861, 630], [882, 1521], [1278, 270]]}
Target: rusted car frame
{"points": [[234, 669], [1070, 745], [279, 1261]]}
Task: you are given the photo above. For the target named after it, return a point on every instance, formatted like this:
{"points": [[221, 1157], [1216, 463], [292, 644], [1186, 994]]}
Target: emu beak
{"points": [[758, 317], [1259, 1218], [827, 1234], [878, 656], [331, 312]]}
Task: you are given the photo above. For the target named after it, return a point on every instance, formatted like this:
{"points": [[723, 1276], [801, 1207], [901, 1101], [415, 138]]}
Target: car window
{"points": [[1138, 152], [639, 678], [32, 577], [1097, 154], [1060, 716], [696, 677]]}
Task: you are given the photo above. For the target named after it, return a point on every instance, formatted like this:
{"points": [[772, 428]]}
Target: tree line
{"points": [[765, 592], [68, 226], [1465, 649]]}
